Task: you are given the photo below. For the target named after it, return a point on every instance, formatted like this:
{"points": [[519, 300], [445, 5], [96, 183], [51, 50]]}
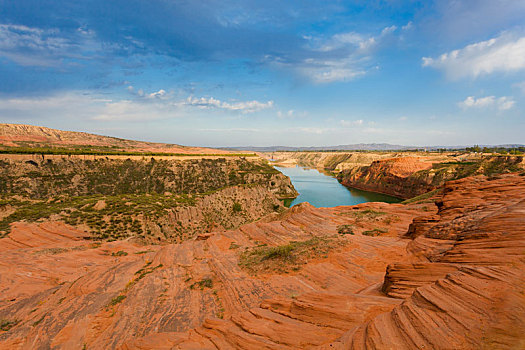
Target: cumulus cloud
{"points": [[503, 103], [505, 53]]}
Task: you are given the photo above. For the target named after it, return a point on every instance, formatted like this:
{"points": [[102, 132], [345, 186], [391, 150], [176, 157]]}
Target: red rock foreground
{"points": [[391, 279]]}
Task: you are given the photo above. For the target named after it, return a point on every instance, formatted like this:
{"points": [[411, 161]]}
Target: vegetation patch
{"points": [[364, 214], [140, 274], [233, 246], [287, 257], [375, 232], [116, 300], [119, 253], [424, 198], [237, 207], [113, 199], [6, 325], [204, 283], [345, 229]]}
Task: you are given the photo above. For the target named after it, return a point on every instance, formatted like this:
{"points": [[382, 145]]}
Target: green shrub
{"points": [[375, 232], [119, 253], [237, 207], [116, 300], [204, 283], [345, 229], [6, 325]]}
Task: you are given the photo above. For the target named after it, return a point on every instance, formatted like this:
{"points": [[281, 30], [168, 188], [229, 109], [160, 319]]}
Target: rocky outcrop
{"points": [[390, 176], [408, 177], [328, 161], [65, 292]]}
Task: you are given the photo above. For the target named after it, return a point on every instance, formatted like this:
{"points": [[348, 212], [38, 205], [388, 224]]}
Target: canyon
{"points": [[165, 252], [400, 174]]}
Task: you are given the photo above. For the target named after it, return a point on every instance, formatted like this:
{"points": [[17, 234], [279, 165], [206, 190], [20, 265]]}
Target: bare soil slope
{"points": [[20, 135]]}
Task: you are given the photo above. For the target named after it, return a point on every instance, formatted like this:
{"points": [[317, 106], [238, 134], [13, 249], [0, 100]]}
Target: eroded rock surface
{"points": [[455, 280]]}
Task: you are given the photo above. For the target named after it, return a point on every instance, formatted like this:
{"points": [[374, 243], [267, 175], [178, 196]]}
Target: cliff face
{"points": [[412, 176], [145, 199], [330, 161], [390, 176], [47, 177], [372, 276]]}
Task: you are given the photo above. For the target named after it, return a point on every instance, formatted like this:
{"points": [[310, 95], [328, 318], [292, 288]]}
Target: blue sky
{"points": [[298, 73]]}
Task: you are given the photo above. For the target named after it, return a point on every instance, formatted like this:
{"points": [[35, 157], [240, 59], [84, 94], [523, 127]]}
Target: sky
{"points": [[260, 73]]}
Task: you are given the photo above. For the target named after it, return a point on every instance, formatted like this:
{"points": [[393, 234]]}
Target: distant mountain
{"points": [[353, 147], [360, 147]]}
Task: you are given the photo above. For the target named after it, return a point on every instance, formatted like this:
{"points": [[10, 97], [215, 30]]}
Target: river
{"points": [[322, 190]]}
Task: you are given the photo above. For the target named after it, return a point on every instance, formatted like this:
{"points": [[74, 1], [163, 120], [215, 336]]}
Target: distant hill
{"points": [[361, 147], [353, 147], [21, 135]]}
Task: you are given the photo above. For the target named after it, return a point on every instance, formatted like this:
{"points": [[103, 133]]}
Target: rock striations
{"points": [[372, 276]]}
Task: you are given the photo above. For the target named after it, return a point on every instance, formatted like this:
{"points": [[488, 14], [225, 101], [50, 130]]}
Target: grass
{"points": [[117, 300], [424, 198], [375, 232], [106, 152], [286, 257], [365, 214]]}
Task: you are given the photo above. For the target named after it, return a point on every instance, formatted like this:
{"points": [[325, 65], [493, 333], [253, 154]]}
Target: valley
{"points": [[199, 252]]}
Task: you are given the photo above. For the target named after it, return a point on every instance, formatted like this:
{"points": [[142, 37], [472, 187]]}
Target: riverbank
{"points": [[400, 174], [322, 190]]}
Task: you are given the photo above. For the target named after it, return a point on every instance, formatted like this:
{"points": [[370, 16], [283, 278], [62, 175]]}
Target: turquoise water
{"points": [[322, 190]]}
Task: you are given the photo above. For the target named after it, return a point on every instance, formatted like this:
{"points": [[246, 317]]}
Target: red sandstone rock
{"points": [[455, 282]]}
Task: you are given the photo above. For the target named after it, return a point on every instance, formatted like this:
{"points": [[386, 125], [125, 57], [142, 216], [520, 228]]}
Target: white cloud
{"points": [[403, 118], [350, 123], [408, 26], [85, 105], [243, 106], [29, 46], [505, 53], [503, 103], [159, 94], [341, 57]]}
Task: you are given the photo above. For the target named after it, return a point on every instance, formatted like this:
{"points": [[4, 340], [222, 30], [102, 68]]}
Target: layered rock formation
{"points": [[408, 177], [362, 277], [146, 199]]}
